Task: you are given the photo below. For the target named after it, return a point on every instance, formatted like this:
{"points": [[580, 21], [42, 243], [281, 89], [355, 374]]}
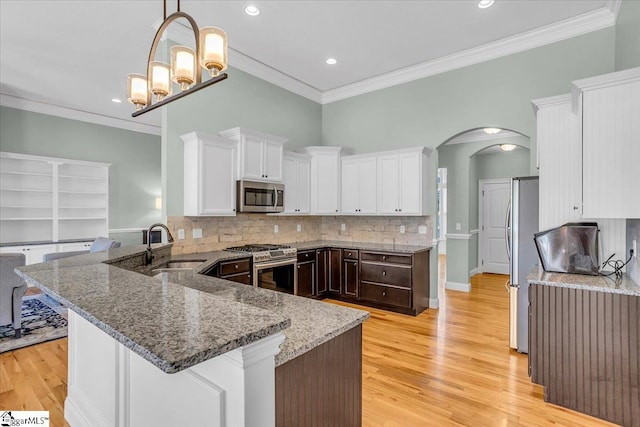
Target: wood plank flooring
{"points": [[445, 367]]}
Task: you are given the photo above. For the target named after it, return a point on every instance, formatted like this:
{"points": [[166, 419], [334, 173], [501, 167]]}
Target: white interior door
{"points": [[495, 198]]}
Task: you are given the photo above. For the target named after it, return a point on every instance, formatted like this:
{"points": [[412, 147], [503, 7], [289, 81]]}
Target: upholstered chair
{"points": [[12, 288], [99, 245]]}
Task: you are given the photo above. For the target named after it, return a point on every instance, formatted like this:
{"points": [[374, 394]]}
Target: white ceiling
{"points": [[71, 57]]}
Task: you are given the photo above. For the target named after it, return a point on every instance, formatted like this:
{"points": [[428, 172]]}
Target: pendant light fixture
{"points": [[156, 88]]}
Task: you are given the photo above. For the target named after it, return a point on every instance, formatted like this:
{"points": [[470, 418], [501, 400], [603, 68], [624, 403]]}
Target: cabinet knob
{"points": [[298, 267], [384, 273], [384, 257], [399, 210], [236, 266], [575, 208], [384, 293], [307, 255], [336, 210], [349, 253]]}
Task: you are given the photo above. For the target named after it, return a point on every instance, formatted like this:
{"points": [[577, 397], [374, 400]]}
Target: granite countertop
{"points": [[610, 284], [177, 320], [384, 247]]}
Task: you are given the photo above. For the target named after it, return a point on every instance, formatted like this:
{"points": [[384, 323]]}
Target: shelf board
{"points": [[27, 173], [26, 190], [92, 218], [93, 193], [26, 207], [82, 207], [26, 219], [95, 178]]}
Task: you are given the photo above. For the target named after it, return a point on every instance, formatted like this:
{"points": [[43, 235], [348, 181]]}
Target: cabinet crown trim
{"points": [[201, 136], [319, 149], [423, 150], [606, 80], [550, 101], [237, 132], [294, 155]]}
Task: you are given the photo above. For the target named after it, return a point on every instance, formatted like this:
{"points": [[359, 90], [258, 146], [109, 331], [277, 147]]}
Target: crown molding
{"points": [[582, 24], [614, 7], [12, 101], [182, 34]]}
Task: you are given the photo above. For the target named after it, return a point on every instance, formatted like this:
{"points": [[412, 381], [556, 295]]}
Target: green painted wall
{"points": [[134, 175], [241, 100], [628, 35]]}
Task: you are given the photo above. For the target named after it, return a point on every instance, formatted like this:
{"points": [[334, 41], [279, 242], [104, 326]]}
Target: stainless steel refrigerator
{"points": [[522, 223]]}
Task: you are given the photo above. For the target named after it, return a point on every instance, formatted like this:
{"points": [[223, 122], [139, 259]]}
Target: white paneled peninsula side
{"points": [[179, 348]]}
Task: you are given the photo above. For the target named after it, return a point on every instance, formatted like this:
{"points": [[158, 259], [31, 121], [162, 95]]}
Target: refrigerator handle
{"points": [[507, 230]]}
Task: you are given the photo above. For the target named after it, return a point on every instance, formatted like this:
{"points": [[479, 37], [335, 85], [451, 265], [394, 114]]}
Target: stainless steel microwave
{"points": [[261, 197]]}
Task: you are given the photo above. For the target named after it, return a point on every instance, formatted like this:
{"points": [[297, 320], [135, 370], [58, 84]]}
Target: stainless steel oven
{"points": [[274, 266], [262, 197]]}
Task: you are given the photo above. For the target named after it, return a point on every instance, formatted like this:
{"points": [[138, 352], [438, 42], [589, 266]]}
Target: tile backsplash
{"points": [[222, 232], [633, 233]]}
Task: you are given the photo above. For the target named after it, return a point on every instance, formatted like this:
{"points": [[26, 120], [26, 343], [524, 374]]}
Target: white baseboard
{"points": [[434, 303], [456, 286], [81, 413], [473, 272]]}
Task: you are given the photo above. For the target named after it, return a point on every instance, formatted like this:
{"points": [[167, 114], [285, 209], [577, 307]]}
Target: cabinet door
{"points": [[252, 158], [328, 176], [272, 153], [351, 278], [611, 130], [322, 265], [367, 186], [32, 253], [350, 199], [335, 270], [306, 278], [217, 192], [72, 247], [388, 200], [304, 183], [291, 184], [410, 184]]}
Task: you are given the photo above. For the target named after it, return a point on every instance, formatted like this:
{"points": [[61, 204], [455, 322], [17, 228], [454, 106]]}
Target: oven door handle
{"points": [[277, 263]]}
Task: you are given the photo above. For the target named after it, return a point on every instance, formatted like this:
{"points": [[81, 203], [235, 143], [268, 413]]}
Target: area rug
{"points": [[43, 319]]}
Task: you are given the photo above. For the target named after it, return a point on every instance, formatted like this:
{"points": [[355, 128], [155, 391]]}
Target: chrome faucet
{"points": [[149, 256]]}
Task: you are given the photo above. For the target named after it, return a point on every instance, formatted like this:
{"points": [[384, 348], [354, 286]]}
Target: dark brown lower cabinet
{"points": [[584, 348], [322, 387], [307, 278], [335, 270], [322, 277], [351, 277]]}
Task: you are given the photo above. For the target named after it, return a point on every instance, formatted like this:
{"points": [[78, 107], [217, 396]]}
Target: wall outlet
{"points": [[181, 234], [403, 229], [275, 228], [197, 233], [299, 228], [458, 226], [422, 229], [343, 227]]}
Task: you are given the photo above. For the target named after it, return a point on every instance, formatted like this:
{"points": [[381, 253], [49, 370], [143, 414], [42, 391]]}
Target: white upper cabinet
{"points": [[260, 154], [325, 179], [402, 182], [610, 109], [209, 175], [296, 178], [559, 161], [359, 185]]}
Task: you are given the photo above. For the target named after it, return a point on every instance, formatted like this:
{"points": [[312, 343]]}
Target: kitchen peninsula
{"points": [[585, 343], [223, 353]]}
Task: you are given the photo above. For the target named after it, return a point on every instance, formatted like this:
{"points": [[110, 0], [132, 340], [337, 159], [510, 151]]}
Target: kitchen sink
{"points": [[176, 266]]}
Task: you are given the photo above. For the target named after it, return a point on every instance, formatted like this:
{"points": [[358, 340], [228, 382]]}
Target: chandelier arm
{"points": [[156, 40]]}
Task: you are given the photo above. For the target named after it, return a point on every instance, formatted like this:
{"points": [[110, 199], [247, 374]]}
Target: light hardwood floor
{"points": [[445, 367]]}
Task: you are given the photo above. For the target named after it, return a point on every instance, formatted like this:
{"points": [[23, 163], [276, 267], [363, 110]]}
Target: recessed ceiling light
{"points": [[483, 4], [116, 100], [507, 147], [332, 61], [251, 10], [491, 131]]}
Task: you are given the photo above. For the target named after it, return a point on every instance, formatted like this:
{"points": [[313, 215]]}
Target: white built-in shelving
{"points": [[52, 199]]}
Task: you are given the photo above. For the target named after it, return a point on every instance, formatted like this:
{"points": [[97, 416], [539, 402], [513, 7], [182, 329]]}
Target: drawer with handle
{"points": [[385, 294], [235, 267], [382, 257], [306, 255], [350, 254], [388, 274], [244, 278]]}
